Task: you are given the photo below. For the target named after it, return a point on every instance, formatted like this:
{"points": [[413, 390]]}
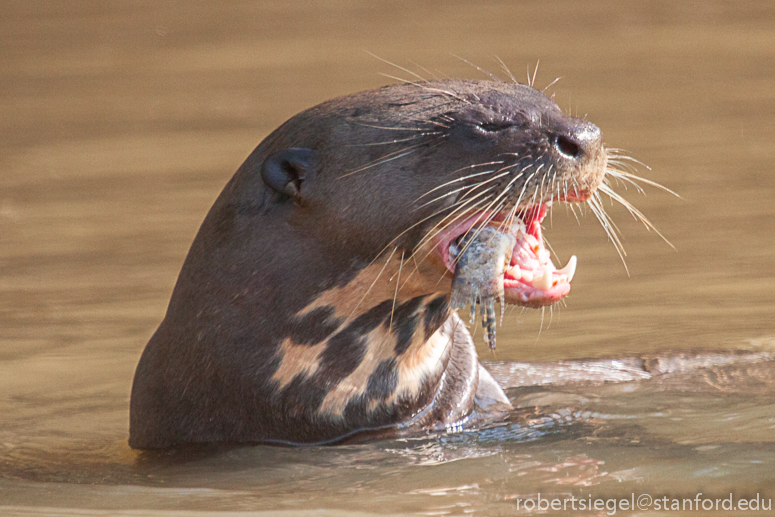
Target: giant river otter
{"points": [[314, 302]]}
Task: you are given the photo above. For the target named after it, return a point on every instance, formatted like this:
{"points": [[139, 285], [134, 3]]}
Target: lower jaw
{"points": [[536, 298]]}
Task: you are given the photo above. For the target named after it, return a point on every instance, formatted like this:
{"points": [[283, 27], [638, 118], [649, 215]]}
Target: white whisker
{"points": [[385, 159], [636, 214], [375, 280], [550, 85], [462, 178], [506, 69], [485, 72], [395, 296]]}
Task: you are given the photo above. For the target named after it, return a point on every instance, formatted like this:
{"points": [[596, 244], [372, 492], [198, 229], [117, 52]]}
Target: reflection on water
{"points": [[121, 123], [646, 437]]}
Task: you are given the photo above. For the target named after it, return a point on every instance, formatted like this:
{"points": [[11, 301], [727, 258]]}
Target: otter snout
{"points": [[582, 140], [580, 145]]}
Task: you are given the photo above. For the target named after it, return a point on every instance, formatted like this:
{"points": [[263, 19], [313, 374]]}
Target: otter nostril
{"points": [[567, 147]]}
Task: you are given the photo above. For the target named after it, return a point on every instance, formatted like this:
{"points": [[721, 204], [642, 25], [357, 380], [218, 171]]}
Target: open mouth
{"points": [[531, 279]]}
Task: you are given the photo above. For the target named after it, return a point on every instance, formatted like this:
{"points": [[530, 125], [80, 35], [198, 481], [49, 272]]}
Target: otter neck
{"points": [[388, 278], [396, 331]]}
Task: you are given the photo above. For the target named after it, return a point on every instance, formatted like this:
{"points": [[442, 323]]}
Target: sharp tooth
{"points": [[518, 228], [527, 276], [544, 281], [569, 269], [532, 241], [515, 272]]}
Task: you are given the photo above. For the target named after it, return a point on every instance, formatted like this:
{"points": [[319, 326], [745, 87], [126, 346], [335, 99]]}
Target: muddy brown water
{"points": [[121, 121]]}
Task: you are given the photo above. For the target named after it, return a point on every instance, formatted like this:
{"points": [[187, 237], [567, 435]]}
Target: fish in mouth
{"points": [[504, 260]]}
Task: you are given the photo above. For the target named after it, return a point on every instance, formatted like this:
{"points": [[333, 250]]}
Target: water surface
{"points": [[121, 122]]}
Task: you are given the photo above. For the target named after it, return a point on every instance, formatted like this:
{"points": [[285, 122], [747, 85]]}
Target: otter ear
{"points": [[286, 170]]}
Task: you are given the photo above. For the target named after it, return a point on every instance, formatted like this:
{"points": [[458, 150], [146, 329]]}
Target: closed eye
{"points": [[491, 127]]}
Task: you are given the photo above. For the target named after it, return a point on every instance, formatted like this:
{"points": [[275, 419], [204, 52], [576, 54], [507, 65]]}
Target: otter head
{"points": [[314, 300], [406, 170]]}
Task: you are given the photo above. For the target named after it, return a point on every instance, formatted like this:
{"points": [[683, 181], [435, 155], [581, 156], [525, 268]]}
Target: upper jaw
{"points": [[531, 279]]}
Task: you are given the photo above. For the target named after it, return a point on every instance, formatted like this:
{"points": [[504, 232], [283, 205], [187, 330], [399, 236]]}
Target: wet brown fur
{"points": [[286, 323]]}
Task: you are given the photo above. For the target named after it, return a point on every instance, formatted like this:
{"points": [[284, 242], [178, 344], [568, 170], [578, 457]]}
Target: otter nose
{"points": [[579, 140]]}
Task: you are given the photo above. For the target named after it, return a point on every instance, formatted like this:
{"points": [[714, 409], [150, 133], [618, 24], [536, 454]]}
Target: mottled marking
{"points": [[301, 397], [419, 361], [405, 319], [346, 348], [314, 326], [436, 313], [383, 381], [332, 360], [377, 281], [356, 369], [370, 405], [355, 384], [348, 299], [424, 360], [404, 330], [295, 359]]}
